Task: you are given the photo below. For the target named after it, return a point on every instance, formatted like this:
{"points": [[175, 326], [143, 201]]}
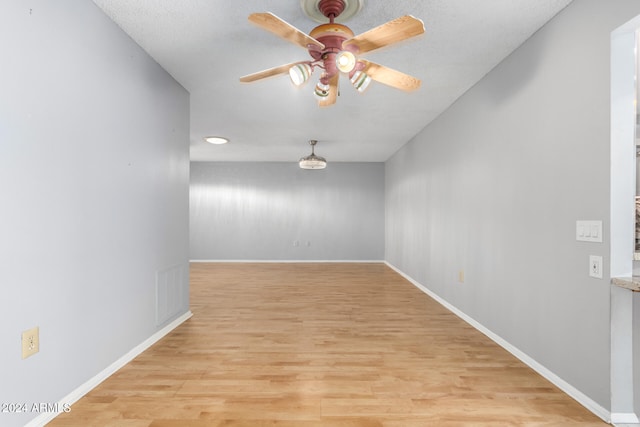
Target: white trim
{"points": [[623, 93], [577, 395], [624, 418], [291, 261], [85, 388]]}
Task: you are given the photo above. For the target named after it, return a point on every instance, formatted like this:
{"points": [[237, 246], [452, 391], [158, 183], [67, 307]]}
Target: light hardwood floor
{"points": [[309, 345]]}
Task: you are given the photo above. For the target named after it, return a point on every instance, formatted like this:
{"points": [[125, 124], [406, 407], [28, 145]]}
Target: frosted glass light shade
{"points": [[300, 73], [360, 81], [321, 91], [313, 163]]}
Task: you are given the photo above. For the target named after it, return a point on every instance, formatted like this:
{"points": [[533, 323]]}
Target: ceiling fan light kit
{"points": [[335, 49], [312, 161]]}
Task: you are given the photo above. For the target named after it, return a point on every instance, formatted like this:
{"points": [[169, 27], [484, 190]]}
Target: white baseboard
{"points": [[577, 395], [618, 418], [290, 261], [85, 388]]}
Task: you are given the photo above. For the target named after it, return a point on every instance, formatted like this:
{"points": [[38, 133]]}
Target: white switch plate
{"points": [[30, 342], [589, 231], [595, 266]]}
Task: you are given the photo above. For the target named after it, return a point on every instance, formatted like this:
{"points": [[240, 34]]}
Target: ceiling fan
{"points": [[335, 49]]}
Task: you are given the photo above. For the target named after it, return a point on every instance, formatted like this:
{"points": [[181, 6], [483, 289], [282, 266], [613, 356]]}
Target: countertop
{"points": [[631, 283]]}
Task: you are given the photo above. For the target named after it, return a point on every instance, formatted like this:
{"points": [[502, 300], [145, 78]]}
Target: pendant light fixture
{"points": [[312, 161]]}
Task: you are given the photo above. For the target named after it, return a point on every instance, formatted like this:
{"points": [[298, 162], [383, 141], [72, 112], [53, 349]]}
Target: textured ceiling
{"points": [[206, 45]]}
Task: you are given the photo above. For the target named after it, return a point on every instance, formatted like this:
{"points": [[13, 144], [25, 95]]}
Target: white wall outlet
{"points": [[595, 266], [589, 231], [30, 342], [461, 276]]}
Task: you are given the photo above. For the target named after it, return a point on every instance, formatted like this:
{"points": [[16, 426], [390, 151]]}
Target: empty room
{"points": [[312, 213]]}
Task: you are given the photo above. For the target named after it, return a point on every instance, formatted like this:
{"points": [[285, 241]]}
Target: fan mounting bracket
{"points": [[331, 8], [316, 9]]}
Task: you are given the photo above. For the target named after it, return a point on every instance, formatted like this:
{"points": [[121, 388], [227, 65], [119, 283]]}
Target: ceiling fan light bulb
{"points": [[345, 61], [300, 73], [360, 81]]}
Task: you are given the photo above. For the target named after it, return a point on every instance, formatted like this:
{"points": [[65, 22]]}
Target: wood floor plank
{"points": [[331, 344]]}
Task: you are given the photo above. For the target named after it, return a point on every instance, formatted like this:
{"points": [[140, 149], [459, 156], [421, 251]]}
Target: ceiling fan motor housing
{"points": [[331, 36]]}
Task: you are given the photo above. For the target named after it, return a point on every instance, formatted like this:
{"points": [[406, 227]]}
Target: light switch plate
{"points": [[30, 342], [589, 231]]}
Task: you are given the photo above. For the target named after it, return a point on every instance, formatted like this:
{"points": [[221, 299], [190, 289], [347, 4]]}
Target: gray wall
{"points": [[495, 185], [257, 211], [94, 173]]}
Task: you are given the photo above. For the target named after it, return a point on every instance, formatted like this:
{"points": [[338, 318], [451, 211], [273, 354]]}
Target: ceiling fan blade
{"points": [[390, 77], [277, 26], [333, 92], [392, 32], [282, 69]]}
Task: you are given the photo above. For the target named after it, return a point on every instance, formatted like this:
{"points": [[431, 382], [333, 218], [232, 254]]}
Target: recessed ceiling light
{"points": [[218, 140]]}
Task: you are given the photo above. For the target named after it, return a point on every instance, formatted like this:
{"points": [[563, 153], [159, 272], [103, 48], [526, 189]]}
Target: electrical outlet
{"points": [[30, 342], [461, 276], [595, 266]]}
